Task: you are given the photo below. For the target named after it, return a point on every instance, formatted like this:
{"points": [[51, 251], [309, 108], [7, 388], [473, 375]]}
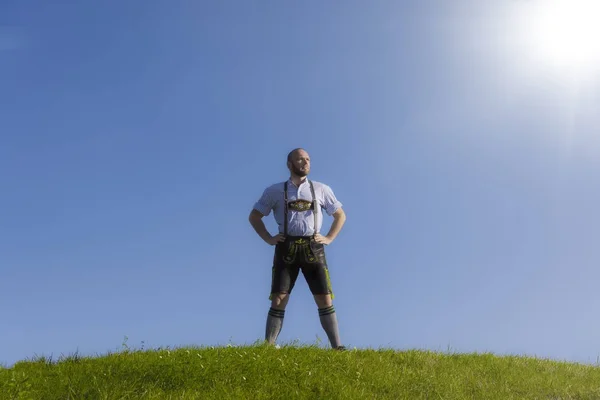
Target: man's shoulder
{"points": [[275, 188], [320, 185]]}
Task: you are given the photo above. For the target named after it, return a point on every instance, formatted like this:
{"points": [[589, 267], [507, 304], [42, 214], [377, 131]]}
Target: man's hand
{"points": [[273, 240], [323, 239], [339, 217]]}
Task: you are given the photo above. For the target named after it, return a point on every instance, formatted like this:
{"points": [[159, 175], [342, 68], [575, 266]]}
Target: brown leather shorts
{"points": [[295, 254]]}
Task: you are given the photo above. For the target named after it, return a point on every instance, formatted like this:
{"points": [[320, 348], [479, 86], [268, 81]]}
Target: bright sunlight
{"points": [[563, 35]]}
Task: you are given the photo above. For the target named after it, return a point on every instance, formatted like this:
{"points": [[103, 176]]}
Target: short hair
{"points": [[291, 153]]}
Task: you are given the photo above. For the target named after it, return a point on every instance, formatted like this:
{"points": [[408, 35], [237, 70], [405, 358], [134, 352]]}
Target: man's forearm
{"points": [[336, 226], [260, 228]]}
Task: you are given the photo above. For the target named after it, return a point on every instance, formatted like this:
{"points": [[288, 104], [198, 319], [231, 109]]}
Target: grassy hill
{"points": [[297, 372]]}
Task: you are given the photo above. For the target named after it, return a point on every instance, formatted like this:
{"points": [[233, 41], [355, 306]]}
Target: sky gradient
{"points": [[135, 138]]}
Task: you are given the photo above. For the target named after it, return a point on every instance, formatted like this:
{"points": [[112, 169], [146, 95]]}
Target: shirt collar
{"points": [[303, 182]]}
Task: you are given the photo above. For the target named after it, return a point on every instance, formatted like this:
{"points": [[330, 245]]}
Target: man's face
{"points": [[300, 164]]}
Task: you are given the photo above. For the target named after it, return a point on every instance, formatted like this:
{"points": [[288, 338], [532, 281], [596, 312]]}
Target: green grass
{"points": [[296, 372]]}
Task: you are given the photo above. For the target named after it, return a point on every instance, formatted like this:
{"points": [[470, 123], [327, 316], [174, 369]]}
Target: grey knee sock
{"points": [[330, 325], [274, 324]]}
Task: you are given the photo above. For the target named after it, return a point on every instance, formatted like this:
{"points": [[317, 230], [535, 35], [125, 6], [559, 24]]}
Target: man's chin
{"points": [[300, 173]]}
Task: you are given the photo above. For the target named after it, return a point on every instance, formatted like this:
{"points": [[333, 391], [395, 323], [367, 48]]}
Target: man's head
{"points": [[298, 162]]}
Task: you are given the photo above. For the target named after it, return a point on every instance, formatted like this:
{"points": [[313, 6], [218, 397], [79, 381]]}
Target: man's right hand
{"points": [[276, 239]]}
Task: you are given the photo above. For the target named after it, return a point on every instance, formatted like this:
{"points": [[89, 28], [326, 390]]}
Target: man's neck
{"points": [[298, 180]]}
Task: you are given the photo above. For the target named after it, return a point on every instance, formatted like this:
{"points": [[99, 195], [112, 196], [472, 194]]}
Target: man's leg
{"points": [[275, 317], [283, 279], [328, 319], [317, 277]]}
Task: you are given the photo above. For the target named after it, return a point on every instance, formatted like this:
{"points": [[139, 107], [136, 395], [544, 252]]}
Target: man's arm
{"points": [[339, 218], [263, 207], [257, 223]]}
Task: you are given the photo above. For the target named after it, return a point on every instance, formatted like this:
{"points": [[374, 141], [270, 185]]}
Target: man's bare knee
{"points": [[323, 300], [280, 300]]}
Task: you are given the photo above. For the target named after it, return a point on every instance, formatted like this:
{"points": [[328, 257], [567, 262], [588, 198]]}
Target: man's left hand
{"points": [[323, 239]]}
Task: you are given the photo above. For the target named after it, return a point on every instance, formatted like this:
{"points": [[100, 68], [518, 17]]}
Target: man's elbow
{"points": [[255, 216], [339, 214]]}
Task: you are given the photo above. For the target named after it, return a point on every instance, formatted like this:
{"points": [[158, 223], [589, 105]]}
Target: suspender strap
{"points": [[315, 208], [285, 205]]}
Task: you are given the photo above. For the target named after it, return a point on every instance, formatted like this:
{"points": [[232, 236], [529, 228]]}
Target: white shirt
{"points": [[300, 223]]}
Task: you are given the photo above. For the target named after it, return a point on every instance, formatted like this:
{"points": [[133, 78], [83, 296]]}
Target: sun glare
{"points": [[564, 34]]}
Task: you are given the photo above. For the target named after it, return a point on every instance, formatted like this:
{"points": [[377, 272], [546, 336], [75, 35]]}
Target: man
{"points": [[298, 206]]}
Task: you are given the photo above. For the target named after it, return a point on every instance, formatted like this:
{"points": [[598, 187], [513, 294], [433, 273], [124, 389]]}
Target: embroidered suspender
{"points": [[315, 208], [285, 205], [285, 213]]}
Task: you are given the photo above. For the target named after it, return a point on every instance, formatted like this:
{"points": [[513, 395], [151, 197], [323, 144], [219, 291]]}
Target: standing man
{"points": [[298, 206]]}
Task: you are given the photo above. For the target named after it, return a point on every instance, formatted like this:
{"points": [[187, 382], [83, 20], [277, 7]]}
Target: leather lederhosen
{"points": [[300, 253], [300, 249]]}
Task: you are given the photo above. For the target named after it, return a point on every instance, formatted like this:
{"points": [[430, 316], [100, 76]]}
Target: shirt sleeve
{"points": [[265, 203], [330, 202]]}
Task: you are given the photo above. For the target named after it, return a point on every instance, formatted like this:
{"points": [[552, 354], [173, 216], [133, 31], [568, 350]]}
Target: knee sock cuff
{"points": [[273, 312], [326, 311]]}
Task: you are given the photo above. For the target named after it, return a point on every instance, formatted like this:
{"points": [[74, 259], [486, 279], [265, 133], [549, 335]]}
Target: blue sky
{"points": [[135, 138]]}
